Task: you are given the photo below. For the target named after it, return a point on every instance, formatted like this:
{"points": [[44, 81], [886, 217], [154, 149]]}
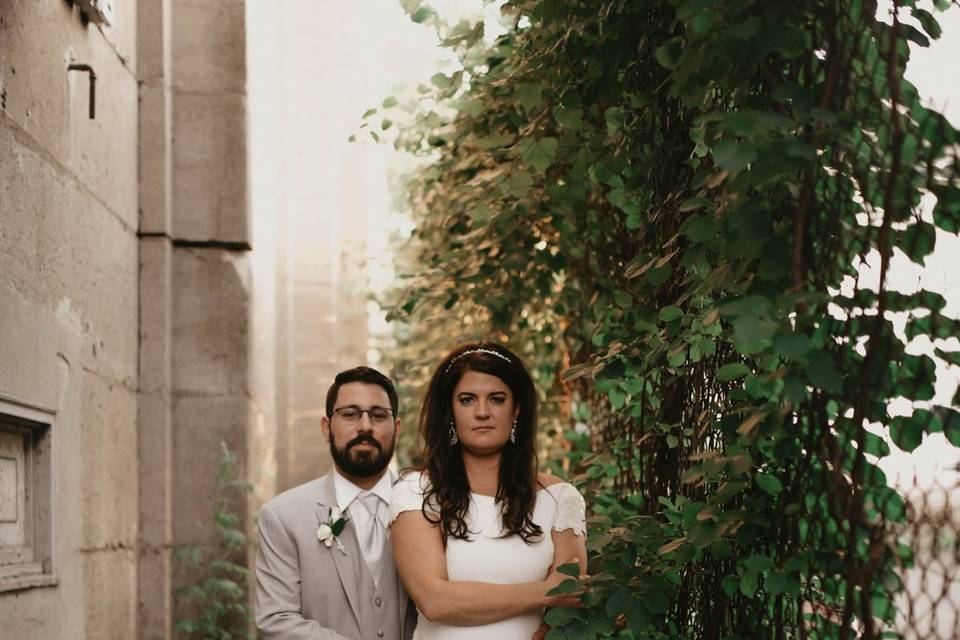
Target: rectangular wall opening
{"points": [[26, 535]]}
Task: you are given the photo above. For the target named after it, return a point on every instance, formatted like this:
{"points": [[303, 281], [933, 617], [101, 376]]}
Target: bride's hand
{"points": [[571, 600], [541, 632]]}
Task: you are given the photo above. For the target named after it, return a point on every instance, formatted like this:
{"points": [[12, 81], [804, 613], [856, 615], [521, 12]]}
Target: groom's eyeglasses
{"points": [[352, 414]]}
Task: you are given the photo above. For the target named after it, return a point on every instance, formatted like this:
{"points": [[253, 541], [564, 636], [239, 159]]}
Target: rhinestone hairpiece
{"points": [[478, 350]]}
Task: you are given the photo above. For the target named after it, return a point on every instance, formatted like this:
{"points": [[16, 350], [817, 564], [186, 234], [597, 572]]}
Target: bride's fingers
{"points": [[541, 632]]}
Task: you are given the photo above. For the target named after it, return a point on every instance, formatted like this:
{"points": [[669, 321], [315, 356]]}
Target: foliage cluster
{"points": [[217, 606], [665, 206]]}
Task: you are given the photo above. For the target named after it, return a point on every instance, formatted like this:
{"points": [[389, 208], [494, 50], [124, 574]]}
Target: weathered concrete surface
{"points": [[209, 170], [126, 295], [68, 281], [38, 40], [210, 388]]}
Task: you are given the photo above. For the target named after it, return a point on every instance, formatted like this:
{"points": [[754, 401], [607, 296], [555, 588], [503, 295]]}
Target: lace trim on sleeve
{"points": [[571, 509], [407, 495]]}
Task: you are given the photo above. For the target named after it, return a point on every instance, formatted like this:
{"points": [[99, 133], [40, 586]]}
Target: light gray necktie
{"points": [[373, 538]]}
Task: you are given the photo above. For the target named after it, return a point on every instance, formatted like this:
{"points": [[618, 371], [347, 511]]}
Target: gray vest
{"points": [[380, 616]]}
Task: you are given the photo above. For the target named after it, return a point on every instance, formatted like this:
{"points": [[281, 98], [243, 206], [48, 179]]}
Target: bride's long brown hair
{"points": [[447, 498]]}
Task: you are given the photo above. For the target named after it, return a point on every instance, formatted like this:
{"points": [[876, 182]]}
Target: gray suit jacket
{"points": [[307, 591]]}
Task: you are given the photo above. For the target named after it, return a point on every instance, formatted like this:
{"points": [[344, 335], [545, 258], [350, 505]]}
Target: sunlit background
{"points": [[328, 212]]}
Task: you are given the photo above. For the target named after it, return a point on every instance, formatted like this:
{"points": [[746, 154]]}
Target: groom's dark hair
{"points": [[367, 375]]}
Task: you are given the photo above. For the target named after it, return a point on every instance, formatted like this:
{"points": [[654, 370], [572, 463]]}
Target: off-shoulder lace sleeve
{"points": [[571, 509], [407, 495]]}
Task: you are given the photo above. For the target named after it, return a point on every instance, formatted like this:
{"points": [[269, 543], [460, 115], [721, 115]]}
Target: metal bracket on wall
{"points": [[93, 85]]}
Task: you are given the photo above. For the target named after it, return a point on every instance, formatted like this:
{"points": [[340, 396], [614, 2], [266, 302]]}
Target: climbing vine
{"points": [[668, 208]]}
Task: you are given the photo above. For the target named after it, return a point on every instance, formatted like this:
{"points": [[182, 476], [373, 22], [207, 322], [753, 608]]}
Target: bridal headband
{"points": [[477, 350]]}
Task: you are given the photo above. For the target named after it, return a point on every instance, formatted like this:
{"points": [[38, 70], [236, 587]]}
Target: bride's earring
{"points": [[453, 435], [513, 432]]}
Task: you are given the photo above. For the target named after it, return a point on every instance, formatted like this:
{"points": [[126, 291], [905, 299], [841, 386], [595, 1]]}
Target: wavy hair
{"points": [[448, 493]]}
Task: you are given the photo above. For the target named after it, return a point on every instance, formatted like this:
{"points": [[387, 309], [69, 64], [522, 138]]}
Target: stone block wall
{"points": [[68, 303], [126, 303]]}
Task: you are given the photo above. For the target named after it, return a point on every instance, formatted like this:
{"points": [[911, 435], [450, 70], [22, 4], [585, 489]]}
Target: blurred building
{"points": [[131, 340], [313, 73]]}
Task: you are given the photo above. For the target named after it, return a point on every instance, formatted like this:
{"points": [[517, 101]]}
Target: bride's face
{"points": [[483, 412]]}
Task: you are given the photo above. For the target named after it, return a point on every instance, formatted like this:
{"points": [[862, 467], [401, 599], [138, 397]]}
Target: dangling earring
{"points": [[513, 432], [453, 435]]}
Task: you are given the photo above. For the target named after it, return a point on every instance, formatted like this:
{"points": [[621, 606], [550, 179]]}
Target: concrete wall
{"points": [[68, 301], [126, 297], [199, 388]]}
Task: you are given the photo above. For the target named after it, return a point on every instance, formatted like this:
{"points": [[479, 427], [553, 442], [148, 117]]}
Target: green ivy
{"points": [[662, 205], [218, 603]]}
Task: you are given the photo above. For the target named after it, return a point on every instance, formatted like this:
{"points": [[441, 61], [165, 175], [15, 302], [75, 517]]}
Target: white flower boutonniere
{"points": [[328, 532]]}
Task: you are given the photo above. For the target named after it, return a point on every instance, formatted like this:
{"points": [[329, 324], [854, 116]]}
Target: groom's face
{"points": [[362, 430]]}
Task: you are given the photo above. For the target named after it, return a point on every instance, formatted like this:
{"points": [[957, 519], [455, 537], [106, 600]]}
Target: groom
{"points": [[324, 564]]}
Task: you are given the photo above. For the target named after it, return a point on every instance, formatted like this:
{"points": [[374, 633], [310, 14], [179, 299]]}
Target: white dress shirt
{"points": [[347, 494]]}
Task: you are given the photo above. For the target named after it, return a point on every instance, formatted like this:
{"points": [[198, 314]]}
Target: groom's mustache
{"points": [[364, 438]]}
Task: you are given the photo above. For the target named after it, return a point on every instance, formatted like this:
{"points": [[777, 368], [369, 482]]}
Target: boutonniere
{"points": [[329, 532]]}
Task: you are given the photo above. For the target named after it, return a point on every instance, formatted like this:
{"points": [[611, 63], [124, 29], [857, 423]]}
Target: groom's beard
{"points": [[361, 463]]}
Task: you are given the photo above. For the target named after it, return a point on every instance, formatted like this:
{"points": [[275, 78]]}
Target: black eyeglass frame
{"points": [[388, 413]]}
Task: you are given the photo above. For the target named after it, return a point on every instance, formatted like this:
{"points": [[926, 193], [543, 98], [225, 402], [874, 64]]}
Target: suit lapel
{"points": [[346, 569]]}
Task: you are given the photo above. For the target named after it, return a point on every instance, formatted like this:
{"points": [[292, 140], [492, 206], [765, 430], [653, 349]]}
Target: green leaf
{"points": [[950, 423], [734, 156], [571, 119], [732, 371], [565, 588], [618, 603], [560, 616], [519, 184], [823, 373], [703, 534], [389, 102], [757, 563], [946, 213], [918, 241], [699, 228], [617, 397], [441, 80], [421, 14], [791, 346], [730, 584], [623, 299], [927, 21], [752, 333], [692, 204], [669, 54], [614, 117], [529, 96], [907, 431], [776, 583], [669, 313], [769, 483], [539, 154]]}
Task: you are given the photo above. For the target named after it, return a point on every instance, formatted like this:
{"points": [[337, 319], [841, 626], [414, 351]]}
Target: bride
{"points": [[478, 534]]}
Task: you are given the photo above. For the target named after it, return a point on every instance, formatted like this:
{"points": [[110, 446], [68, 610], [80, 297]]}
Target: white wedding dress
{"points": [[487, 557]]}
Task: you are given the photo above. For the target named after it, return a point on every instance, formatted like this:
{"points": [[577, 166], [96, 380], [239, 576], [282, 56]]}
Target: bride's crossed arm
{"points": [[421, 562]]}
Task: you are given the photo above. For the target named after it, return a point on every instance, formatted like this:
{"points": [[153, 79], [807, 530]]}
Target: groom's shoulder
{"points": [[297, 499]]}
